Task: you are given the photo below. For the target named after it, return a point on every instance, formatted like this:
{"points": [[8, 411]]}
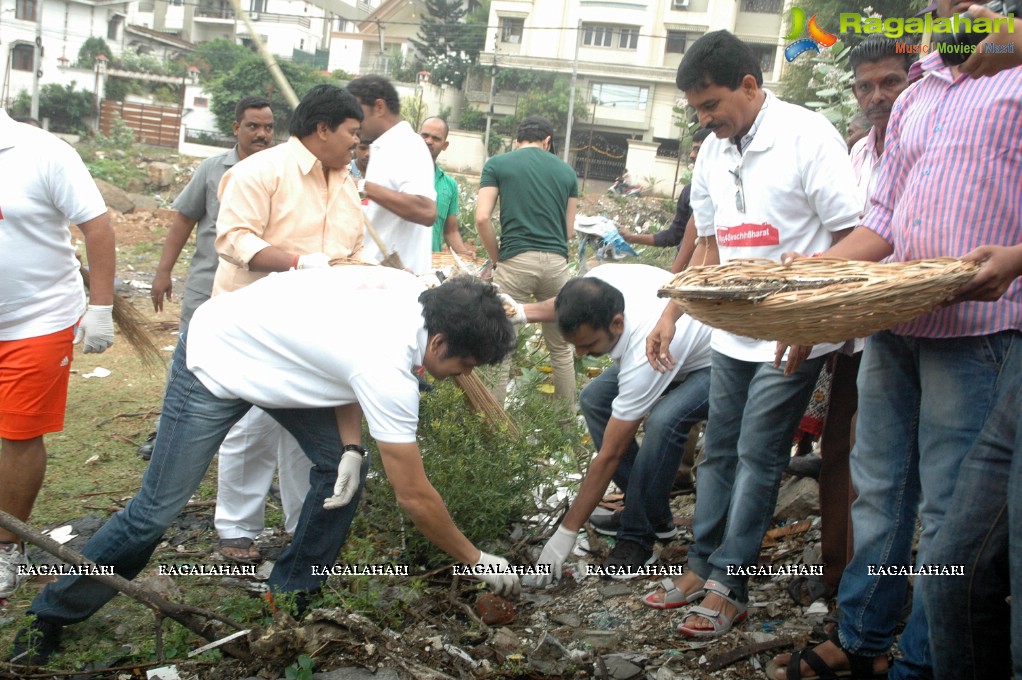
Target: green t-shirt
{"points": [[446, 204], [534, 187]]}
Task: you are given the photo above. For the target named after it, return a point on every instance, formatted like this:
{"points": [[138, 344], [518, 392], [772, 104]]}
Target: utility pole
{"points": [[37, 59], [571, 95], [493, 94]]}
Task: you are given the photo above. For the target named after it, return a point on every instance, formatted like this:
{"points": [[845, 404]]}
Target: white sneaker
{"points": [[10, 559]]}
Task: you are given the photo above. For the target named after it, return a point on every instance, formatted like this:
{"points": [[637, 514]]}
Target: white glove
{"points": [[515, 311], [499, 577], [348, 475], [313, 261], [96, 328], [555, 552]]}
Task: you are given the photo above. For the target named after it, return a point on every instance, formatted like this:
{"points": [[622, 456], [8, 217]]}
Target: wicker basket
{"points": [[815, 300]]}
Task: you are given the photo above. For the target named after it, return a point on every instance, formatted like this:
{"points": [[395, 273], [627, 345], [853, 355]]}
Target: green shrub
{"points": [[485, 474]]}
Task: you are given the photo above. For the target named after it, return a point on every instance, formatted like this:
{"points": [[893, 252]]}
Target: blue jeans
{"points": [[646, 473], [193, 425], [967, 615], [754, 411], [922, 403]]}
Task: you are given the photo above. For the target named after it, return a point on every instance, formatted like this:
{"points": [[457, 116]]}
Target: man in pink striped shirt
{"points": [[948, 186]]}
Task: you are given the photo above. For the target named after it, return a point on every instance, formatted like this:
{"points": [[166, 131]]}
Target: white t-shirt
{"points": [[797, 187], [44, 185], [317, 338], [639, 386], [400, 160]]}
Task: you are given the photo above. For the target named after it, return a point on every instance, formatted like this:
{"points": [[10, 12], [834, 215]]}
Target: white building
{"points": [[627, 54]]}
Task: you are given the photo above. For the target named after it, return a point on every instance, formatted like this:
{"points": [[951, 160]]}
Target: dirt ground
{"points": [[580, 627]]}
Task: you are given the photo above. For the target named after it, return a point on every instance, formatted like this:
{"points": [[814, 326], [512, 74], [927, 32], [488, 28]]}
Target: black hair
{"points": [[587, 301], [370, 88], [249, 102], [471, 317], [323, 104], [717, 58], [877, 48], [700, 135]]}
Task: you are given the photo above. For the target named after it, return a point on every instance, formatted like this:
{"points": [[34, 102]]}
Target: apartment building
{"points": [[626, 53]]}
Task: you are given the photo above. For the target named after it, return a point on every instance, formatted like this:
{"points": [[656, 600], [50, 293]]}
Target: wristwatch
{"points": [[362, 188], [354, 447]]}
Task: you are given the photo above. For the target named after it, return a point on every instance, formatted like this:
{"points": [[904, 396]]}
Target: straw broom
{"points": [[131, 324]]}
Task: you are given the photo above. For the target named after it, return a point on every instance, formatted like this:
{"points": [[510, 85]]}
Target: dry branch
{"points": [[183, 614]]}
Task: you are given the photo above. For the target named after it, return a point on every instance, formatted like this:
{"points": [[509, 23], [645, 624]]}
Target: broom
{"points": [[131, 324]]}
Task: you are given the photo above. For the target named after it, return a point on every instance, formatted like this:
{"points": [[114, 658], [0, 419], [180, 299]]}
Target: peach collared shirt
{"points": [[283, 197]]}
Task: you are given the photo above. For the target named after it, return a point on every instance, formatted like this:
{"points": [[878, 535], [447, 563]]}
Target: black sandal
{"points": [[860, 666], [242, 543]]}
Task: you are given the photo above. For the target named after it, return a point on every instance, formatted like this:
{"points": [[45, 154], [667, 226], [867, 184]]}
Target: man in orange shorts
{"points": [[43, 187]]}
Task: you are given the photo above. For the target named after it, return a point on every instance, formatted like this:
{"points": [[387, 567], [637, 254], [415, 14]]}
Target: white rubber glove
{"points": [[348, 475], [499, 577], [96, 328], [555, 552], [313, 261], [515, 311]]}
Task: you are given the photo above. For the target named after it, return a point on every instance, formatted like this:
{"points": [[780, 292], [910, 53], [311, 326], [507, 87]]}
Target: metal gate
{"points": [[599, 155]]}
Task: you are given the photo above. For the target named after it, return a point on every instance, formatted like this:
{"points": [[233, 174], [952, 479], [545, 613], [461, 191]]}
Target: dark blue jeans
{"points": [[193, 425], [754, 411], [922, 403], [967, 615], [646, 473]]}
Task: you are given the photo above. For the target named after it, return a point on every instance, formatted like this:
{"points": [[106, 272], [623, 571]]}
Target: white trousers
{"points": [[254, 447]]}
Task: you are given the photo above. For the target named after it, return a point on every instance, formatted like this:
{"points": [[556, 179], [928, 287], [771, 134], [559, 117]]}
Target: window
{"points": [[597, 35], [257, 6], [25, 10], [766, 55], [602, 35], [511, 30], [679, 4], [763, 6], [113, 26], [200, 102], [620, 96], [629, 38], [22, 57], [676, 42]]}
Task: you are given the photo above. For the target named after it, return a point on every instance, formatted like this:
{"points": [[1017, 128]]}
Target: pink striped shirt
{"points": [[951, 180]]}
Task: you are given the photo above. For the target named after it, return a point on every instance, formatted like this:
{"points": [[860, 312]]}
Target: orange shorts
{"points": [[34, 374]]}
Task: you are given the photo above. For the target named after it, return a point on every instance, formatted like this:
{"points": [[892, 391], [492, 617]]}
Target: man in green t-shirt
{"points": [[434, 132], [537, 218]]}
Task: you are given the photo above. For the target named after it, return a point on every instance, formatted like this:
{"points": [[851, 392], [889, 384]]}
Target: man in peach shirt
{"points": [[295, 208]]}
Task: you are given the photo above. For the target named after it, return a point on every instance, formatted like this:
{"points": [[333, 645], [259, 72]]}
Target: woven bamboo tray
{"points": [[815, 300]]}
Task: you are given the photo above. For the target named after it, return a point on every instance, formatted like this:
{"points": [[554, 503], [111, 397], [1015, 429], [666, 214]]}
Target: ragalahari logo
{"points": [[817, 36]]}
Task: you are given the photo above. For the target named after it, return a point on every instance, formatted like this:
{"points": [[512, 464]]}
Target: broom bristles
{"points": [[131, 324]]}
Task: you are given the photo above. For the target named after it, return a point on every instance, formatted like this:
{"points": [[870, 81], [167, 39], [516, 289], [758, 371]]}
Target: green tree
{"points": [[90, 49], [448, 44], [540, 93], [68, 109], [217, 57], [251, 77]]}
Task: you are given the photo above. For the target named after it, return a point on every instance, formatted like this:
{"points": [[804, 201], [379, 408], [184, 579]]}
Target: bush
{"points": [[68, 109], [486, 476]]}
